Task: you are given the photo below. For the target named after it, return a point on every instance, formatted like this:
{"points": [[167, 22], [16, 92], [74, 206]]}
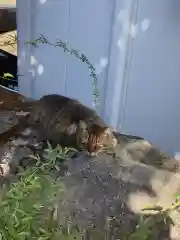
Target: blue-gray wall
{"points": [[135, 46], [152, 107]]}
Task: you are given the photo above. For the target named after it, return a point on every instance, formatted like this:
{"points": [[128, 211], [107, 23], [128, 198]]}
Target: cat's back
{"points": [[89, 115], [54, 101], [48, 105], [50, 109], [59, 105], [75, 109]]}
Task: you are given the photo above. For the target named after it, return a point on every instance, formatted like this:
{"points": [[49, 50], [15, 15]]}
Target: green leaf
{"points": [[8, 75], [177, 196], [23, 234]]}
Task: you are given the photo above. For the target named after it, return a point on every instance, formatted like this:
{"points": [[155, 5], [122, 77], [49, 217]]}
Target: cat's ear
{"points": [[83, 125], [107, 131], [72, 129]]}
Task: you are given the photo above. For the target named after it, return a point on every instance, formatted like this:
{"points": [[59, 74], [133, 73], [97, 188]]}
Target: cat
{"points": [[65, 121], [56, 114]]}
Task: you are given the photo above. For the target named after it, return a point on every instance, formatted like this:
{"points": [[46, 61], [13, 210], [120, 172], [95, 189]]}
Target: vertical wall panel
{"points": [[49, 63], [90, 32], [152, 107]]}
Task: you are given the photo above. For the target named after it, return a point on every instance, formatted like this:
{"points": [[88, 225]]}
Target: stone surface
{"points": [[7, 120], [16, 150], [120, 187]]}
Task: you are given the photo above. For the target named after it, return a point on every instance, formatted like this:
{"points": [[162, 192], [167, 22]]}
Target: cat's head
{"points": [[96, 138]]}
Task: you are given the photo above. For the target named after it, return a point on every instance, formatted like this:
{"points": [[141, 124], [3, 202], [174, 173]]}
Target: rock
{"points": [[16, 150], [119, 188], [7, 120]]}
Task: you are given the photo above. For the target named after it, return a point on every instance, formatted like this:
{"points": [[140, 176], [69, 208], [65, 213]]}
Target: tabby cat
{"points": [[55, 117], [65, 121]]}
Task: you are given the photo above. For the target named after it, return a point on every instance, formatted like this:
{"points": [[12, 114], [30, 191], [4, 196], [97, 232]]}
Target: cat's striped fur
{"points": [[65, 121]]}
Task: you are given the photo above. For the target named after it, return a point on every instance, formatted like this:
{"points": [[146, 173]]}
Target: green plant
{"points": [[148, 224], [27, 208], [12, 41], [7, 76], [76, 53]]}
